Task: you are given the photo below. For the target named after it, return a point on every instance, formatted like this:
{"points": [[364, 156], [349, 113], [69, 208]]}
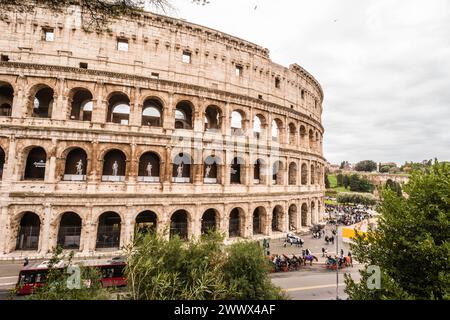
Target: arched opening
{"points": [[304, 174], [277, 219], [118, 109], [146, 222], [76, 165], [2, 162], [69, 233], [303, 136], [108, 231], [276, 130], [181, 171], [293, 218], [209, 221], [183, 115], [6, 99], [292, 134], [235, 223], [304, 215], [237, 124], [152, 113], [311, 139], [258, 124], [213, 119], [236, 171], [179, 224], [292, 173], [114, 166], [149, 166], [258, 175], [277, 173], [29, 230], [43, 103], [259, 217], [82, 105], [35, 165], [211, 169], [313, 175]]}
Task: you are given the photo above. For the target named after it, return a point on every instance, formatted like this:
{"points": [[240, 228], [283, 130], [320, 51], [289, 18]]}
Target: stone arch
{"points": [[184, 115], [313, 212], [278, 219], [259, 220], [237, 172], [277, 126], [108, 230], [152, 112], [179, 224], [293, 219], [211, 169], [36, 162], [146, 222], [76, 163], [292, 173], [313, 174], [41, 101], [213, 118], [303, 136], [304, 174], [304, 215], [236, 223], [311, 139], [237, 122], [114, 165], [259, 125], [29, 231], [149, 167], [292, 134], [81, 104], [277, 173], [6, 99], [258, 171], [69, 231], [181, 168], [210, 220], [118, 108]]}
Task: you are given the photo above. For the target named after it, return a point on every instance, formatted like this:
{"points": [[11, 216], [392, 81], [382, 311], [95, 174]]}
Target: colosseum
{"points": [[156, 123]]}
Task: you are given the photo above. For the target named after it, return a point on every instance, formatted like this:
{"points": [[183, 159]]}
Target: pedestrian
{"points": [[323, 252], [350, 258], [25, 262], [342, 253]]}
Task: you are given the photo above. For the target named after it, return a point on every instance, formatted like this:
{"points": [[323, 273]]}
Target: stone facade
{"points": [[148, 96]]}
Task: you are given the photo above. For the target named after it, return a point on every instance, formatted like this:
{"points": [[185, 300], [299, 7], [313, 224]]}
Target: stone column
{"points": [[3, 229], [20, 101], [45, 245], [100, 106], [135, 108], [50, 170]]}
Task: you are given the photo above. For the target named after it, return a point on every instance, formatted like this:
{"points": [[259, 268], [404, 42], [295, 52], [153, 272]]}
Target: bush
{"points": [[161, 269], [356, 198]]}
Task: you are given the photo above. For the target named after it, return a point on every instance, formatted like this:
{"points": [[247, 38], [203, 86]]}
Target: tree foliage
{"points": [[360, 184], [356, 198], [203, 269], [411, 244], [97, 14], [366, 165], [56, 282], [394, 186]]}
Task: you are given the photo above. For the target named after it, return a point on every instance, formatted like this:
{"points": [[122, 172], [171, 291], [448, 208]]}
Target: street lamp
{"points": [[337, 261]]}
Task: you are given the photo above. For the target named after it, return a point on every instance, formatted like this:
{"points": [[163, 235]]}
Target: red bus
{"points": [[34, 275]]}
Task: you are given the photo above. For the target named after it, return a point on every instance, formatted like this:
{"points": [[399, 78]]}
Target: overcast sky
{"points": [[384, 66]]}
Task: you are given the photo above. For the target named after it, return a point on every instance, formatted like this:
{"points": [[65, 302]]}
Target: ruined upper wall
{"points": [[155, 49]]}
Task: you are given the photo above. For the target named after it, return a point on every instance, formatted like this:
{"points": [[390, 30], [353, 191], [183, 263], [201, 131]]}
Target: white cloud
{"points": [[384, 66]]}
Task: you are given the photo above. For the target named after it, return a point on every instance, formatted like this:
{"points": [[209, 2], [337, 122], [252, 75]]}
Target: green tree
{"points": [[327, 182], [340, 180], [366, 165], [411, 244], [202, 269], [394, 186], [346, 182], [56, 281]]}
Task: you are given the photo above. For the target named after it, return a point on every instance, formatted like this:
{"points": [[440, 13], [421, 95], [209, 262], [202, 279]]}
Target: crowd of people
{"points": [[348, 214]]}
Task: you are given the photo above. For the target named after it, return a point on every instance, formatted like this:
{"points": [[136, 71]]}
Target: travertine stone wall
{"points": [[153, 68]]}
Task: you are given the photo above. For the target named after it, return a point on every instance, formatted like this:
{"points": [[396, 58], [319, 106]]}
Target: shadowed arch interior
{"points": [[29, 231]]}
